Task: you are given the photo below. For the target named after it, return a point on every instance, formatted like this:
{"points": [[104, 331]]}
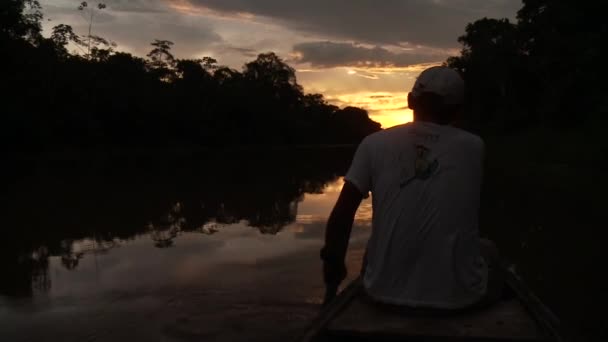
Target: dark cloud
{"points": [[55, 14], [242, 51], [190, 38], [424, 22], [113, 6], [384, 110], [368, 76], [138, 6], [332, 54], [134, 24]]}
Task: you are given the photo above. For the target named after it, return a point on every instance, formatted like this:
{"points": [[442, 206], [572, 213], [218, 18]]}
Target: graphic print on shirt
{"points": [[424, 167]]}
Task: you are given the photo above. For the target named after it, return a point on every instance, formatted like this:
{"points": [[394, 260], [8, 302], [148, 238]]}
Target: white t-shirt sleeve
{"points": [[360, 171]]}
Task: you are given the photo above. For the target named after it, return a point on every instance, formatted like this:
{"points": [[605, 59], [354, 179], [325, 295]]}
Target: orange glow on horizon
{"points": [[186, 7], [394, 118], [382, 91], [387, 108]]}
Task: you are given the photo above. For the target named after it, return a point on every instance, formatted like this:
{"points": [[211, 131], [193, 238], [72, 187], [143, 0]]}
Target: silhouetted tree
{"points": [[352, 123], [565, 42], [20, 19], [64, 34], [491, 63], [531, 72], [91, 41], [192, 71], [161, 55], [101, 97], [162, 60]]}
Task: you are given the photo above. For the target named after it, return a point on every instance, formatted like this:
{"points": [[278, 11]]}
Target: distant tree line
{"points": [[537, 93], [52, 98], [547, 69]]}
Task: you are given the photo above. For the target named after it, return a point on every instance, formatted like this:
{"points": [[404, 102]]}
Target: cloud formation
{"points": [[332, 54], [134, 24], [137, 6], [425, 22], [364, 52]]}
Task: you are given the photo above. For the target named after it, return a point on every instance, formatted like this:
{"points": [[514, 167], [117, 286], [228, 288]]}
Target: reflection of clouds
{"points": [[306, 218], [199, 258], [137, 264], [312, 231], [317, 207], [313, 212], [316, 231], [363, 215]]}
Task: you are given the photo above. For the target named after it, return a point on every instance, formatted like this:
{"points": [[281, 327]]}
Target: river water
{"points": [[212, 249], [225, 246]]}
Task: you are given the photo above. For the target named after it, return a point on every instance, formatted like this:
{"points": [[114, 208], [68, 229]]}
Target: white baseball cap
{"points": [[443, 81]]}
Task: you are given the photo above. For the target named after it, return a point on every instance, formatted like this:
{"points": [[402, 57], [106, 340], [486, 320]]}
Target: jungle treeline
{"points": [[544, 70], [74, 90]]}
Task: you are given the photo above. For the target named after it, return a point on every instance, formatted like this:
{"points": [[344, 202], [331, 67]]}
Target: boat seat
{"points": [[507, 320]]}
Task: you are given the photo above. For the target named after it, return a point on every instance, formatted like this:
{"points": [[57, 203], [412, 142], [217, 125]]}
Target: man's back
{"points": [[425, 182]]}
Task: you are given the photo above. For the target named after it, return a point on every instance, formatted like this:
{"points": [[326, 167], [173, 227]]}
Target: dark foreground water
{"points": [[224, 246], [197, 248]]}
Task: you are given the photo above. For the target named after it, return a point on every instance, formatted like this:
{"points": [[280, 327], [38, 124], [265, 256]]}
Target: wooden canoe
{"points": [[518, 317]]}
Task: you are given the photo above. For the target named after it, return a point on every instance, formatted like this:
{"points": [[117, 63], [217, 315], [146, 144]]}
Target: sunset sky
{"points": [[363, 53]]}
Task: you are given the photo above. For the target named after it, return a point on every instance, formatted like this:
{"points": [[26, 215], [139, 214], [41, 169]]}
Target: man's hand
{"points": [[333, 276], [330, 294]]}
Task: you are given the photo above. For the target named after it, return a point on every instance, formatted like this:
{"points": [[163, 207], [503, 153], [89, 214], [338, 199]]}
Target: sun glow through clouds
{"points": [[387, 108], [380, 91]]}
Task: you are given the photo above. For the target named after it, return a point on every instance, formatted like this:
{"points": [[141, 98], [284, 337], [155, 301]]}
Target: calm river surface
{"points": [[225, 246], [206, 250]]}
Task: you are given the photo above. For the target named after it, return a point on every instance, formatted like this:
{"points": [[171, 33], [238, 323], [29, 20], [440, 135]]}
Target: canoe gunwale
{"points": [[331, 310], [544, 318]]}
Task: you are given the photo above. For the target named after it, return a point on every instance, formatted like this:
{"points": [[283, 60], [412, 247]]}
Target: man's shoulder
{"points": [[411, 130], [467, 136], [470, 138], [387, 134], [399, 129]]}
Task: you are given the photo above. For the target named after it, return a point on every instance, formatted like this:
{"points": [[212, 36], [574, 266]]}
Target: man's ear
{"points": [[411, 101]]}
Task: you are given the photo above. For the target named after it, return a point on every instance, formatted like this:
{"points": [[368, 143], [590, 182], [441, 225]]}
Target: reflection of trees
{"points": [[74, 251], [163, 233], [25, 272], [147, 103], [25, 261], [73, 212], [266, 199]]}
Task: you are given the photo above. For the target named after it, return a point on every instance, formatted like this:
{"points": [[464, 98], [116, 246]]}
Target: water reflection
{"points": [[74, 218]]}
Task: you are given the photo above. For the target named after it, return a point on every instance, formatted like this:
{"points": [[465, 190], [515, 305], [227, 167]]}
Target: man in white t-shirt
{"points": [[425, 179]]}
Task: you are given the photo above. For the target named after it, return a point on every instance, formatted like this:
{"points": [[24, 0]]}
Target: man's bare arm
{"points": [[337, 234]]}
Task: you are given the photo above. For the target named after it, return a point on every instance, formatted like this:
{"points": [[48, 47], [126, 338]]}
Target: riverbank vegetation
{"points": [[97, 96], [536, 93], [544, 70]]}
